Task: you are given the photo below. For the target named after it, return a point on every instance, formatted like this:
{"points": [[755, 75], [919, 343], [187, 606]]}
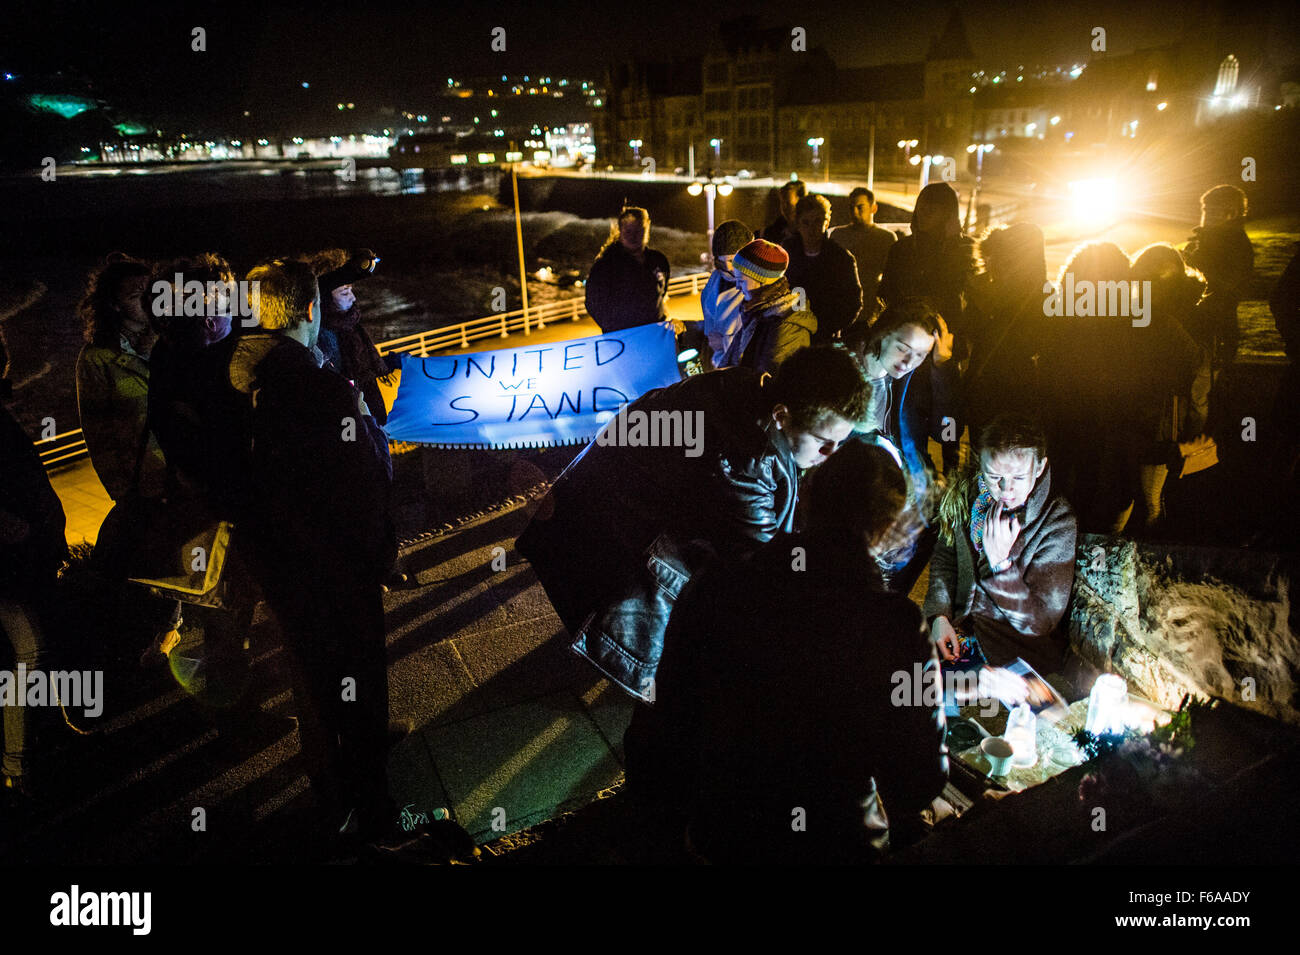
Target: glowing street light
{"points": [[907, 145], [717, 149], [710, 188], [636, 145], [816, 145]]}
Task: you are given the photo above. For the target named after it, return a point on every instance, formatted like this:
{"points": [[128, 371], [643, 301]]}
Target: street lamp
{"points": [[710, 188], [816, 145], [717, 149], [636, 145], [979, 149], [907, 145]]}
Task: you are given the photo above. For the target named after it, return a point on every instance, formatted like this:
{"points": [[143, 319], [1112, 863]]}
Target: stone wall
{"points": [[1172, 620]]}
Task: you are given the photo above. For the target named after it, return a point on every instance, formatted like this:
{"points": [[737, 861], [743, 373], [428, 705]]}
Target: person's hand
{"points": [[944, 637], [996, 683], [676, 324], [942, 342], [1000, 532], [361, 406]]}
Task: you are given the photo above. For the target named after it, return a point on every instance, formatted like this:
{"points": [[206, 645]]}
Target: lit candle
{"points": [[1022, 729], [1106, 705]]}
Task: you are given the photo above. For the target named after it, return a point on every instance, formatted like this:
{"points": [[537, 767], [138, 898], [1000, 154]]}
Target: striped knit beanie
{"points": [[762, 261]]}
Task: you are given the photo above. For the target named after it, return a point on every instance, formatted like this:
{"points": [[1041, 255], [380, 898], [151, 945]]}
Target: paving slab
{"points": [[522, 662], [514, 767]]}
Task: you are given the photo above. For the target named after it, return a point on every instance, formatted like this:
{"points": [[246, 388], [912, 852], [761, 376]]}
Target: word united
{"points": [[71, 688], [635, 428], [74, 908], [1087, 299]]}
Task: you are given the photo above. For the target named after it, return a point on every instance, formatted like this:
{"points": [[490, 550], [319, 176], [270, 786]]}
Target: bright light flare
{"points": [[1094, 202]]}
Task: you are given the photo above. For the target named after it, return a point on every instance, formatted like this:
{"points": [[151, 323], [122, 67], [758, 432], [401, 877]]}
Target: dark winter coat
{"points": [[32, 544], [938, 270], [624, 293], [780, 688], [771, 330], [830, 280], [870, 247], [614, 542], [321, 474], [202, 424], [1224, 255]]}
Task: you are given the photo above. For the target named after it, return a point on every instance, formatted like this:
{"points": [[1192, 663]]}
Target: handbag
{"points": [[182, 547]]}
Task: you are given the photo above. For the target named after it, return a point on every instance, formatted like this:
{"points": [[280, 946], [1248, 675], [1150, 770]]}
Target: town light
{"points": [[695, 188], [1161, 107], [1094, 202]]}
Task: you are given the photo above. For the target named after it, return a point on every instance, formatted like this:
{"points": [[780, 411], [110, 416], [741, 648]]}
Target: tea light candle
{"points": [[1022, 730]]}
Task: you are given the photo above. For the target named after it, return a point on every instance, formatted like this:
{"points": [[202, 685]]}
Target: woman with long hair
{"points": [[905, 413], [113, 403]]}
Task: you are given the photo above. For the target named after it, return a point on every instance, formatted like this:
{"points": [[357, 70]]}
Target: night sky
{"points": [[386, 54]]}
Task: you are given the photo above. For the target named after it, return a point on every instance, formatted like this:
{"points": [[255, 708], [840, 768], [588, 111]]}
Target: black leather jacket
{"points": [[623, 529]]}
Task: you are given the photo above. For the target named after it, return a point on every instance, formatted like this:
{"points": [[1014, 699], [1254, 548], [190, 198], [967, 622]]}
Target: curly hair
{"points": [[98, 308]]}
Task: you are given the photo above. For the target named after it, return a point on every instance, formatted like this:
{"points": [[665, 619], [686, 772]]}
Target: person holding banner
{"points": [[626, 526], [629, 280]]}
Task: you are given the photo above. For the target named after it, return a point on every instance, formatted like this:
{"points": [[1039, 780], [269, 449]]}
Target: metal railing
{"points": [[504, 324], [71, 445]]}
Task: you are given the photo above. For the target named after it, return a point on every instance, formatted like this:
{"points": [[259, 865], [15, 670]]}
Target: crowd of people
{"points": [[253, 405], [754, 598], [838, 358]]}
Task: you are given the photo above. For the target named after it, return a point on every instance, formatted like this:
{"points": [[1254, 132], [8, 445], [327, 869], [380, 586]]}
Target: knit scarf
{"points": [[979, 514], [773, 299], [361, 360]]}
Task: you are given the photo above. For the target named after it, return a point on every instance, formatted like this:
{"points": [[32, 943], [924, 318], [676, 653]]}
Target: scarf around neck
{"points": [[979, 514], [770, 299]]}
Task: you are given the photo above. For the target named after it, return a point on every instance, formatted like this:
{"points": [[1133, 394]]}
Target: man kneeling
{"points": [[778, 713], [625, 527], [1004, 566]]}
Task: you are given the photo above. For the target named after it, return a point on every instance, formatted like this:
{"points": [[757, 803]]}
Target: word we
{"points": [[203, 299], [72, 688], [1086, 299], [656, 429]]}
